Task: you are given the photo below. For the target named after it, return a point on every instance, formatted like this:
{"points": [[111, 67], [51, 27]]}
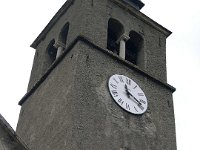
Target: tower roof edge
{"points": [[60, 12], [123, 3], [138, 4]]}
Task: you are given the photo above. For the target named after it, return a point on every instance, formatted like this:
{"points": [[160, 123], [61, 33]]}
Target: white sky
{"points": [[23, 20]]}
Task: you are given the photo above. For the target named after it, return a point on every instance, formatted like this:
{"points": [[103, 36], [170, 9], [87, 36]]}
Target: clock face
{"points": [[127, 94]]}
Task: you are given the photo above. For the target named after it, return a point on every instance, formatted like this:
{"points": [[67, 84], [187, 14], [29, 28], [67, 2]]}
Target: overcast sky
{"points": [[23, 20]]}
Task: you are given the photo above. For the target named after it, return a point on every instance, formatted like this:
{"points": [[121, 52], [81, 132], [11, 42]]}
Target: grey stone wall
{"points": [[72, 108]]}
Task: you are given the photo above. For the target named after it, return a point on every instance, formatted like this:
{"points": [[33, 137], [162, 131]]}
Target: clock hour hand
{"points": [[127, 91], [129, 94]]}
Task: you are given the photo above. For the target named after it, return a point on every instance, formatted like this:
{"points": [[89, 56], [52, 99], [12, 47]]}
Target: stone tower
{"points": [[68, 104]]}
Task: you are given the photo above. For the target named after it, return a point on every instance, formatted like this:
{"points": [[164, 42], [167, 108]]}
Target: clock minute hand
{"points": [[129, 94], [139, 104], [136, 99]]}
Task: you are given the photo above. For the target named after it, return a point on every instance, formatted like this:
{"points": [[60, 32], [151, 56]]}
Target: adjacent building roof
{"points": [[8, 138]]}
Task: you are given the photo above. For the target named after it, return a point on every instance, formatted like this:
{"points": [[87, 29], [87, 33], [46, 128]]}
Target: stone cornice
{"points": [[89, 42]]}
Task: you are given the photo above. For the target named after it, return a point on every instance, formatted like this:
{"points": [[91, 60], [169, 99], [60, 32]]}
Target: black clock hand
{"points": [[135, 99], [138, 102], [129, 94]]}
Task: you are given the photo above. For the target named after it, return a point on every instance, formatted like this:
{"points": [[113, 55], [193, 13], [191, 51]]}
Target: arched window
{"points": [[51, 51], [63, 34], [114, 32], [133, 46]]}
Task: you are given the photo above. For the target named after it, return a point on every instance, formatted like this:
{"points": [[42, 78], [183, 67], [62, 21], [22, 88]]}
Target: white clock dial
{"points": [[127, 94]]}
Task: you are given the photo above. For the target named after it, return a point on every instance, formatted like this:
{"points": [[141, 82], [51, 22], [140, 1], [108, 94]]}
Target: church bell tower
{"points": [[98, 81]]}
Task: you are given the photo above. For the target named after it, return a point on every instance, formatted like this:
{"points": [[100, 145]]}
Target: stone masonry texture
{"points": [[72, 108]]}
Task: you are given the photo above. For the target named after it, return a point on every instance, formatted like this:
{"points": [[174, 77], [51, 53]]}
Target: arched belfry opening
{"points": [[133, 46], [115, 31], [51, 51], [63, 34]]}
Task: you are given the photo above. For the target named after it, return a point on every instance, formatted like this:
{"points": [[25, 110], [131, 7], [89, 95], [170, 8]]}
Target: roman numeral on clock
{"points": [[115, 80], [135, 109], [115, 93], [141, 107], [120, 101], [121, 79], [135, 87], [140, 94], [114, 86], [142, 101], [128, 81], [127, 106]]}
